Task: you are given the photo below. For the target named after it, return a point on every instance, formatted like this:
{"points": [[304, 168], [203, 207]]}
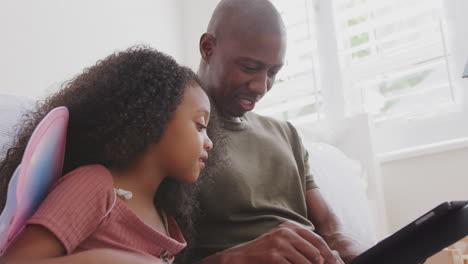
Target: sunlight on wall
{"points": [[44, 43]]}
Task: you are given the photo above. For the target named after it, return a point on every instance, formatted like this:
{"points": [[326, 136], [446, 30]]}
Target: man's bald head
{"points": [[241, 54], [239, 18]]}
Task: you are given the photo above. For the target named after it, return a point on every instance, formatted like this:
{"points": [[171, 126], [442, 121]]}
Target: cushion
{"points": [[341, 182]]}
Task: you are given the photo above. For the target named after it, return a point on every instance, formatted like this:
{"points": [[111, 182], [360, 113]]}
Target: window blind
{"points": [[393, 56], [296, 95]]}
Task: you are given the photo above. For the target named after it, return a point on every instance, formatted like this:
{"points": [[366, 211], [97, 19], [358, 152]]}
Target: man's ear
{"points": [[207, 46]]}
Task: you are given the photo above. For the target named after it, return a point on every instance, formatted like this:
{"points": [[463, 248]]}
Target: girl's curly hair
{"points": [[118, 107]]}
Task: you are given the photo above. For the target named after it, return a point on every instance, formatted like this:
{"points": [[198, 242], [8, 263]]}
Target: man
{"points": [[263, 207]]}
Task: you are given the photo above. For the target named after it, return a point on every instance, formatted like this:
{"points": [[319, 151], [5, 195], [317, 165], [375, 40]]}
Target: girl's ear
{"points": [[207, 46]]}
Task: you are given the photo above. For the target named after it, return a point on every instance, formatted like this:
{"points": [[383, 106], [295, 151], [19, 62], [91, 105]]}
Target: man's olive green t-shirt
{"points": [[263, 185]]}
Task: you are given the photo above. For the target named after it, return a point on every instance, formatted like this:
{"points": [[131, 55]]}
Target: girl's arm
{"points": [[35, 242], [37, 245], [94, 256]]}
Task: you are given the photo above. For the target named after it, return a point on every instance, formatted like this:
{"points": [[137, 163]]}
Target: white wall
{"points": [[196, 15], [43, 43], [415, 185]]}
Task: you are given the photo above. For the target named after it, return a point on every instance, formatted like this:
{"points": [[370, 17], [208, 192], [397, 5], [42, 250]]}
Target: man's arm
{"points": [[328, 226]]}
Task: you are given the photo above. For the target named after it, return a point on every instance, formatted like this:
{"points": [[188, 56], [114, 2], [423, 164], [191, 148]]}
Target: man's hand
{"points": [[288, 243]]}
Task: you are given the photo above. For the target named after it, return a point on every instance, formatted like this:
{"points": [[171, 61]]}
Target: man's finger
{"points": [[302, 246], [313, 239], [297, 258]]}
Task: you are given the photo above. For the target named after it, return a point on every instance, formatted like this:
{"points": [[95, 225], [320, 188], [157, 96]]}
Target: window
{"points": [[400, 61], [393, 56], [296, 95], [392, 60]]}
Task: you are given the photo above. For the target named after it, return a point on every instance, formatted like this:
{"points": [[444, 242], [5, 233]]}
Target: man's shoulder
{"points": [[279, 130], [257, 121], [255, 118]]}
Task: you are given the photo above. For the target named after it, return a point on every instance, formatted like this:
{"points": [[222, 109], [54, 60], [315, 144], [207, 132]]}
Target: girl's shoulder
{"points": [[88, 179], [76, 205], [95, 171]]}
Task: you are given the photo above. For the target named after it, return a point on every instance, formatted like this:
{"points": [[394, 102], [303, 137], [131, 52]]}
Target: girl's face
{"points": [[185, 144]]}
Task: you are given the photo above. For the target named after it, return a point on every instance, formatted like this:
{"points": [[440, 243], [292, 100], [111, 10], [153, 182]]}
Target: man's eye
{"points": [[249, 69], [272, 73]]}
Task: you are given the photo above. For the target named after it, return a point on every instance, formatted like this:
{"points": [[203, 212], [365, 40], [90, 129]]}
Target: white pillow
{"points": [[11, 109], [340, 180]]}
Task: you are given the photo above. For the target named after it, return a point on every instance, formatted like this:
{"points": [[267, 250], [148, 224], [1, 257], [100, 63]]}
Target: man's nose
{"points": [[260, 85]]}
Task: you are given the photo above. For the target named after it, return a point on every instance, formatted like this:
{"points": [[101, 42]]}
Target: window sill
{"points": [[428, 149]]}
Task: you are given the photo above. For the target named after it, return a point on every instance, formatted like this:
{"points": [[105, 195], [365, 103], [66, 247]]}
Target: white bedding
{"points": [[341, 181]]}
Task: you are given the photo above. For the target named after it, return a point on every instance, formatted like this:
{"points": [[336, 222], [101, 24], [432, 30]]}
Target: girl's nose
{"points": [[208, 144]]}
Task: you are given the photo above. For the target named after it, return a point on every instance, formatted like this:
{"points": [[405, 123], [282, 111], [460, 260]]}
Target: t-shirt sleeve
{"points": [[309, 177], [298, 147], [75, 206]]}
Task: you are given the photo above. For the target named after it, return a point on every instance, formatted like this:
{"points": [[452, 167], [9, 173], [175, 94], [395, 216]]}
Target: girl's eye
{"points": [[200, 127]]}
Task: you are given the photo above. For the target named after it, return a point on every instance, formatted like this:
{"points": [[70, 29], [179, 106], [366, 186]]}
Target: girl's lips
{"points": [[202, 162], [202, 165]]}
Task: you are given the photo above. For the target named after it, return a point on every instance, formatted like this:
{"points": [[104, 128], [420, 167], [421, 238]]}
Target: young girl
{"points": [[137, 129]]}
